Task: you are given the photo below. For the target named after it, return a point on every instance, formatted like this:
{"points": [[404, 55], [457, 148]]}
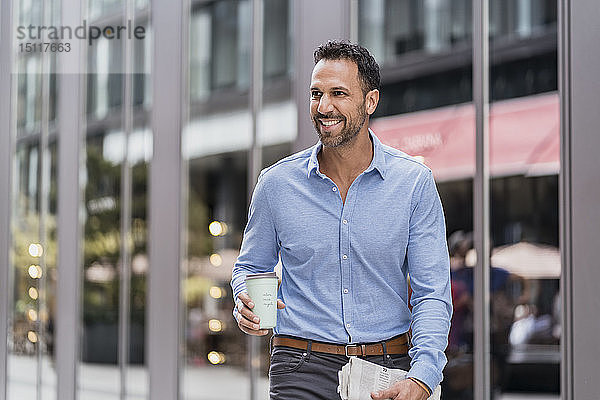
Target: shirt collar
{"points": [[377, 163]]}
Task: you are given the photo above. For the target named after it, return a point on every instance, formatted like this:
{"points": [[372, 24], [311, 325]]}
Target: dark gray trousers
{"points": [[308, 375]]}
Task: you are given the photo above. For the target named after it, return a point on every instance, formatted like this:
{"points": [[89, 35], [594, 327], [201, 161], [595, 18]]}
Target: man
{"points": [[350, 219]]}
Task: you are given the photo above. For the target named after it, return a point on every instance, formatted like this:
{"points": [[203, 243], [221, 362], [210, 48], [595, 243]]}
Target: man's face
{"points": [[337, 102]]}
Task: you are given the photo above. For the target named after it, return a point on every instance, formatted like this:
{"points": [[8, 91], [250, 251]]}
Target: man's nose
{"points": [[325, 105]]}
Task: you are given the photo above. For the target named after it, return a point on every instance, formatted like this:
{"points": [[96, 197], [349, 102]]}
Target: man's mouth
{"points": [[329, 123]]}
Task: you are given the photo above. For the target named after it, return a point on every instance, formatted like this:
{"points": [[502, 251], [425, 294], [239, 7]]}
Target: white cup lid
{"points": [[261, 275]]}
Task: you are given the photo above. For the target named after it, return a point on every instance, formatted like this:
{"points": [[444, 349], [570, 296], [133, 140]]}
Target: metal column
{"points": [[255, 157], [481, 201], [6, 154], [71, 133], [165, 193], [125, 250], [580, 213], [333, 20], [564, 89]]}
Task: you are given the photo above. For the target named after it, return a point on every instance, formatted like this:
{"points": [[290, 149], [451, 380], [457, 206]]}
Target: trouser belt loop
{"points": [[271, 344], [386, 357], [308, 348]]}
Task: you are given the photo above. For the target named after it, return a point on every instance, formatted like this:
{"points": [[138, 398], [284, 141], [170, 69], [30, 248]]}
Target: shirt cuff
{"points": [[238, 287], [422, 385], [426, 374]]}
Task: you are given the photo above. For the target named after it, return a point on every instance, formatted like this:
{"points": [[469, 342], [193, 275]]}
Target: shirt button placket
{"points": [[345, 250]]}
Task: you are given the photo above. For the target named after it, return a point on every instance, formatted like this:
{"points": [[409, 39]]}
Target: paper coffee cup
{"points": [[262, 289]]}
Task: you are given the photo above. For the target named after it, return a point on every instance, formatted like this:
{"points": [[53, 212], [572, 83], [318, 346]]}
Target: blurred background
{"points": [[424, 48]]}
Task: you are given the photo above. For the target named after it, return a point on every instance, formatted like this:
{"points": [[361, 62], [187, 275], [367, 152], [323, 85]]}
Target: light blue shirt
{"points": [[345, 265]]}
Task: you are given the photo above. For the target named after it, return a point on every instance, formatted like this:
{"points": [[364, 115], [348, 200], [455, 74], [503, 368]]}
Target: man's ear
{"points": [[371, 101]]}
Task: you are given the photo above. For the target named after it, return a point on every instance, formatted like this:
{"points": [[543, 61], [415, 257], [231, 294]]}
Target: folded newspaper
{"points": [[359, 378]]}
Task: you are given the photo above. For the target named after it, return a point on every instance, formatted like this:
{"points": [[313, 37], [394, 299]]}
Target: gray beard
{"points": [[346, 135]]}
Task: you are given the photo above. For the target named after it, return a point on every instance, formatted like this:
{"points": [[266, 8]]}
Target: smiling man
{"points": [[350, 219]]}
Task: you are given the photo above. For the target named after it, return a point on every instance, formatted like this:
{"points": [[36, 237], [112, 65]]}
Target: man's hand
{"points": [[247, 321], [405, 389]]}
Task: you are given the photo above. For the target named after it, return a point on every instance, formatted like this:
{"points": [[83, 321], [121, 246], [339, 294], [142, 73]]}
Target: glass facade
{"points": [[30, 369], [118, 150], [426, 57], [426, 109], [216, 186], [524, 313]]}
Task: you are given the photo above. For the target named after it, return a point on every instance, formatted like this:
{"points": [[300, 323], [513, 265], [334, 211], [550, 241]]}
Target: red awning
{"points": [[524, 137]]}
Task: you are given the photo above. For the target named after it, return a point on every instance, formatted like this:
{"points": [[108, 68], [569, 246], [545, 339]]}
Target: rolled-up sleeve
{"points": [[429, 270], [260, 247]]}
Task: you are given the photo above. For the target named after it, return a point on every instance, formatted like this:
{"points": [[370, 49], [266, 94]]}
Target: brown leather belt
{"points": [[397, 345]]}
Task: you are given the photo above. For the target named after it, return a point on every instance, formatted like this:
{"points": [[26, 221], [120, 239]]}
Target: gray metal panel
{"points": [[165, 193], [481, 202], [126, 189], [328, 20], [71, 111], [582, 184], [6, 153], [564, 190], [255, 159]]}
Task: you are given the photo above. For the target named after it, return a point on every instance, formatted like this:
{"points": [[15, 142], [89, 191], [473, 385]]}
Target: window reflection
{"points": [[31, 326], [101, 252], [393, 28], [220, 45], [217, 197], [216, 142], [524, 284], [102, 262], [105, 86]]}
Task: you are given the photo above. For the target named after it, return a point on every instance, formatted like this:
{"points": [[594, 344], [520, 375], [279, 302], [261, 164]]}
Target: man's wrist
{"points": [[421, 385]]}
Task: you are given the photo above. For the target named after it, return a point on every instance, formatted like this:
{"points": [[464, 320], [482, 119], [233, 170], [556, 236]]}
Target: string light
{"points": [[216, 357], [32, 337], [217, 228], [215, 292], [216, 260], [35, 250], [215, 325], [32, 315], [35, 271], [33, 293]]}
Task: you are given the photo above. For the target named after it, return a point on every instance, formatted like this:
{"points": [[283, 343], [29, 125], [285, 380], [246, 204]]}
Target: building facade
{"points": [[129, 164]]}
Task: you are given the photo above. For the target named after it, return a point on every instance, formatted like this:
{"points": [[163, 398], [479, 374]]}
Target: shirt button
{"points": [[345, 221], [345, 290], [344, 256], [334, 189], [347, 325]]}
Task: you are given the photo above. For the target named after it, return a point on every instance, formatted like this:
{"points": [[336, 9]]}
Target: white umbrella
{"points": [[528, 260]]}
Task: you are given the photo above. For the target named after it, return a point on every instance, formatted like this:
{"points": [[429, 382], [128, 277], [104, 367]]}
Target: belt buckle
{"points": [[346, 349], [347, 346]]}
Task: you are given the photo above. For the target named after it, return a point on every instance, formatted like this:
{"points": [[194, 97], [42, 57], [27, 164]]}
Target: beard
{"points": [[351, 128]]}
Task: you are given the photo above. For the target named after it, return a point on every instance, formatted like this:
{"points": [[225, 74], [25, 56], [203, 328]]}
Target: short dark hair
{"points": [[368, 69]]}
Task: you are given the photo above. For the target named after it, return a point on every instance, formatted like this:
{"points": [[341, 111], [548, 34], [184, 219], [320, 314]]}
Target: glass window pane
{"points": [[98, 371], [441, 135], [524, 165], [114, 293], [220, 45], [395, 28], [32, 276], [140, 153], [24, 325], [216, 142]]}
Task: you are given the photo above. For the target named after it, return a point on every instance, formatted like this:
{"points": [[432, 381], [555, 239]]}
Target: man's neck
{"points": [[346, 162]]}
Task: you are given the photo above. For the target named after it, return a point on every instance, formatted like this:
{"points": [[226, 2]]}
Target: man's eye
{"points": [[315, 94], [338, 93]]}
